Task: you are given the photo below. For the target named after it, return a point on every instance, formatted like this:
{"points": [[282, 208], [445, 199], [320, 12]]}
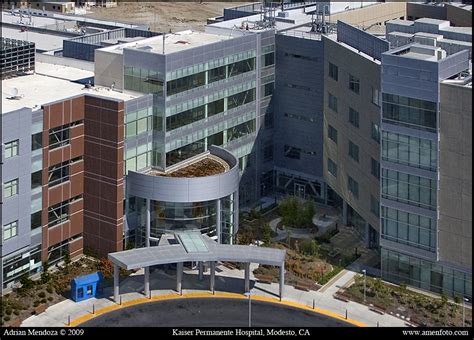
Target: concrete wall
{"points": [[368, 71], [372, 14], [108, 69], [455, 184], [458, 16]]}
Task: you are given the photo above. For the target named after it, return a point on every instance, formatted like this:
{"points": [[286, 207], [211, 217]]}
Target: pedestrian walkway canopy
{"points": [[192, 246]]}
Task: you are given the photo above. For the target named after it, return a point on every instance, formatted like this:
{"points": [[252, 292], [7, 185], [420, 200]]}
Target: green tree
{"points": [[267, 234], [45, 277]]}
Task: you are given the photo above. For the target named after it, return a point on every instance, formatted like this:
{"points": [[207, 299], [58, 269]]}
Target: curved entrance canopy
{"points": [[194, 247]]}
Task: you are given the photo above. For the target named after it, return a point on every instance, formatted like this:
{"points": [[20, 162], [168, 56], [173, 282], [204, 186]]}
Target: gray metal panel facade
{"points": [[410, 77], [307, 102], [178, 189], [17, 125]]}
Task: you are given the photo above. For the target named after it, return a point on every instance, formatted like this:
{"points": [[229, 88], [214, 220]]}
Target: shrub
{"points": [[309, 247], [41, 294], [50, 298], [295, 213], [43, 300], [8, 311], [16, 312], [26, 282], [267, 234], [49, 289], [36, 303], [106, 268], [6, 318]]}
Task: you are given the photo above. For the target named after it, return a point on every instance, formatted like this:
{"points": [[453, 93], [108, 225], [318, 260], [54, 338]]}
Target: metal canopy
{"points": [[165, 254]]}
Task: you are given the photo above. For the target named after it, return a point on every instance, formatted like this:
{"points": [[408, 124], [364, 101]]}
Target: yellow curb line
{"points": [[113, 307]]}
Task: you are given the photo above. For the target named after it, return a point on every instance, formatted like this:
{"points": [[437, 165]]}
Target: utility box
{"points": [[86, 287]]}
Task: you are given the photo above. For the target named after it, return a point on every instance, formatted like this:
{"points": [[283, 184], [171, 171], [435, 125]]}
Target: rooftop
{"points": [[203, 165], [174, 42], [43, 41], [293, 17], [50, 83]]}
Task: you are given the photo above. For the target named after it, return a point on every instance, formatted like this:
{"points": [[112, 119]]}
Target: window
{"points": [[241, 130], [354, 84], [240, 99], [375, 132], [332, 102], [333, 71], [10, 230], [300, 117], [292, 152], [242, 66], [409, 150], [58, 137], [10, 188], [376, 98], [58, 173], [332, 134], [36, 141], [217, 74], [58, 213], [36, 220], [410, 112], [409, 189], [36, 179], [186, 117], [374, 206], [375, 168], [332, 167], [80, 293], [268, 59], [215, 107], [407, 228], [268, 89], [353, 186], [11, 149], [185, 83], [354, 151], [353, 117]]}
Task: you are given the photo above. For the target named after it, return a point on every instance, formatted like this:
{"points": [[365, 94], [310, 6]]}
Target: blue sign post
{"points": [[85, 287]]}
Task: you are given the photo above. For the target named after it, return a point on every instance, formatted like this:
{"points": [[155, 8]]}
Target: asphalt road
{"points": [[207, 312]]}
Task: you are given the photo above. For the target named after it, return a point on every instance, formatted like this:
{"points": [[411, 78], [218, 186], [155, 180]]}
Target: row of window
{"points": [[219, 73], [410, 112], [409, 150], [220, 138], [409, 189], [410, 229]]}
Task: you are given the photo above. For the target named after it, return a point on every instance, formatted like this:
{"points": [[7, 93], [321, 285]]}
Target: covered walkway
{"points": [[194, 247]]}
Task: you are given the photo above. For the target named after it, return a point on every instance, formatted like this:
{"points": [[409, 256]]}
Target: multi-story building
{"points": [[426, 218], [180, 130], [391, 107], [352, 126], [61, 168]]}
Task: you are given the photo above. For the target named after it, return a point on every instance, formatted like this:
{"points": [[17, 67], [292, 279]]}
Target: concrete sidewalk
{"points": [[227, 280]]}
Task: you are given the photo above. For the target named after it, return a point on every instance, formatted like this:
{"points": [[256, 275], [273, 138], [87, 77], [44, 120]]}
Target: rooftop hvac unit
{"points": [[283, 14]]}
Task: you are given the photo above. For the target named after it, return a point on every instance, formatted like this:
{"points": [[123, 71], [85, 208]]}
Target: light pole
{"points": [[365, 279], [464, 300], [249, 294]]}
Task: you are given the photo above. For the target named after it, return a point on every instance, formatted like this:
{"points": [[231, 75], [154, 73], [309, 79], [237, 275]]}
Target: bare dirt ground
{"points": [[163, 16]]}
